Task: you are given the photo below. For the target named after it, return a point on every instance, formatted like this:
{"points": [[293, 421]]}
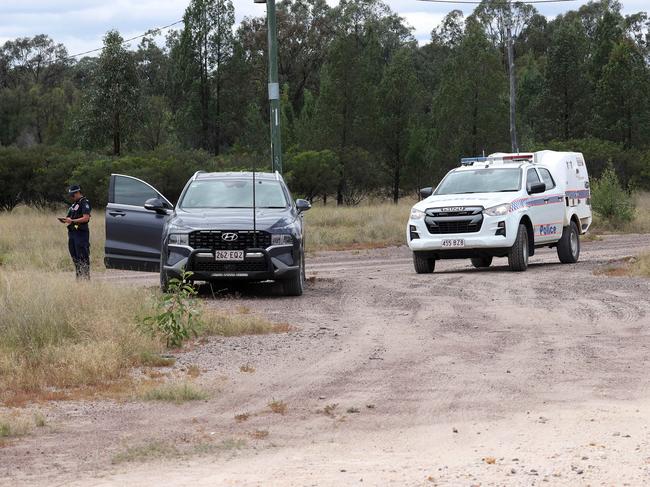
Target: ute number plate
{"points": [[229, 255], [453, 242]]}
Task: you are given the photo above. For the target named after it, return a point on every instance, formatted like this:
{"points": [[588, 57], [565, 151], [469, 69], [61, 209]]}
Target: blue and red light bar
{"points": [[469, 161]]}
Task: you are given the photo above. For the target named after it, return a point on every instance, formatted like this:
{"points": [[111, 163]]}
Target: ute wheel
{"points": [[518, 254], [568, 247], [481, 262], [296, 285], [423, 264]]}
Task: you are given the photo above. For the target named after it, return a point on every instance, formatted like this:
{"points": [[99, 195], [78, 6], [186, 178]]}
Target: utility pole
{"points": [[511, 72], [274, 87]]}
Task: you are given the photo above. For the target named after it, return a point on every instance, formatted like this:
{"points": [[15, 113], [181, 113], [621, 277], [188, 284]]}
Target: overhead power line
{"points": [[150, 31]]}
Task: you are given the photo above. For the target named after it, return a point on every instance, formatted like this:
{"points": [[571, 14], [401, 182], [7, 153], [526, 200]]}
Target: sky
{"points": [[81, 24]]}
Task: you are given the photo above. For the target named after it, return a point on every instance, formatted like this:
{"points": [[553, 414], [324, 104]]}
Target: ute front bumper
{"points": [[496, 235]]}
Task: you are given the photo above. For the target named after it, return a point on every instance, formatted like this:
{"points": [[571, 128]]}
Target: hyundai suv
{"points": [[225, 226]]}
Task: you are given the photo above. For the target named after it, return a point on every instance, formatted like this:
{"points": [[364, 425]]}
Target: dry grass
{"points": [[359, 227], [176, 392], [631, 266], [247, 369], [35, 239], [259, 434], [229, 325], [640, 224], [240, 418], [153, 450], [156, 449], [278, 407], [55, 333]]}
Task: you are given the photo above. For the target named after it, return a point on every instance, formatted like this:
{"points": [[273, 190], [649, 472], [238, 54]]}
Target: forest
{"points": [[367, 111]]}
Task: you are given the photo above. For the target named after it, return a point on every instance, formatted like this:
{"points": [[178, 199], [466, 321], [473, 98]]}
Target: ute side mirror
{"points": [[536, 188], [426, 192], [157, 205], [302, 205]]}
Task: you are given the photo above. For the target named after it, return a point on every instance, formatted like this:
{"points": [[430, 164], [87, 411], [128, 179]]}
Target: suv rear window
{"points": [[233, 193]]}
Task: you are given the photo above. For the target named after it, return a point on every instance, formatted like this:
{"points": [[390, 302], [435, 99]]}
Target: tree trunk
{"points": [[396, 178]]}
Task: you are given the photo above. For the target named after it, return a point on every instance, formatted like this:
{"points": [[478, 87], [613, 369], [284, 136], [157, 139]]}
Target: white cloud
{"points": [[81, 24]]}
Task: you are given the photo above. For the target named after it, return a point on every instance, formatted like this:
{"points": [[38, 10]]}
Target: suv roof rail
{"points": [[200, 171]]}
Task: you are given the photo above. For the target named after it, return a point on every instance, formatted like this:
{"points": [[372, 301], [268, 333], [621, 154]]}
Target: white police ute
{"points": [[503, 205]]}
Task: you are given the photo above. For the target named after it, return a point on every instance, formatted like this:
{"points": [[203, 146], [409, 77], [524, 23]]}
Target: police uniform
{"points": [[79, 237]]}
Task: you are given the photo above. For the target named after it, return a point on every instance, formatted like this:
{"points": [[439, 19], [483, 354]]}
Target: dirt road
{"points": [[463, 377]]}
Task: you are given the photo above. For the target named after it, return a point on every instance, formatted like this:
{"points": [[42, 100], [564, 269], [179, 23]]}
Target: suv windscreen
{"points": [[233, 193], [481, 181]]}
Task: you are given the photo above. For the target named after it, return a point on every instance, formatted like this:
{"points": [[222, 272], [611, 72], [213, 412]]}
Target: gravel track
{"points": [[463, 377]]}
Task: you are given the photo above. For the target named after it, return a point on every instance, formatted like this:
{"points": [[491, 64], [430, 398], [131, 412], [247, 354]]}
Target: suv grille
{"points": [[212, 239], [454, 220]]}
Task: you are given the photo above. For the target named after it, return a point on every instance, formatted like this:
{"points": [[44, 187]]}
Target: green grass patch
{"points": [[176, 392]]}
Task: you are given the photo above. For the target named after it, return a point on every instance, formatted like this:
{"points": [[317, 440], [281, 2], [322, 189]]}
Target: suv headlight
{"points": [[498, 210], [281, 239], [417, 214], [179, 239]]}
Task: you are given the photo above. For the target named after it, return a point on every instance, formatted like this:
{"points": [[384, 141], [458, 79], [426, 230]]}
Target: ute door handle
{"points": [[117, 213]]}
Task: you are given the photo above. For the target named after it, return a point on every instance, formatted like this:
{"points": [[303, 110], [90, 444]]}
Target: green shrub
{"points": [[610, 200], [177, 313]]}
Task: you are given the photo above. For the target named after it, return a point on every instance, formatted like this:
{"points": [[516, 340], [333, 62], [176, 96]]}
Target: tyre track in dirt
{"points": [[487, 351]]}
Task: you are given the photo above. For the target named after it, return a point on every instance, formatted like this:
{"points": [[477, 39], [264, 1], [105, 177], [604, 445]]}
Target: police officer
{"points": [[78, 232]]}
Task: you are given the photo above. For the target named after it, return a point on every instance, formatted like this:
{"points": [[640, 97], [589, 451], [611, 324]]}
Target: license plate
{"points": [[229, 255], [453, 242]]}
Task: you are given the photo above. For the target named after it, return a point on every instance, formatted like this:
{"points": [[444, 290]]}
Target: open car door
{"points": [[134, 233]]}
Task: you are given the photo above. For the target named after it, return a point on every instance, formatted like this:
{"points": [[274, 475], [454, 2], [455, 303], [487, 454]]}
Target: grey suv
{"points": [[212, 231]]}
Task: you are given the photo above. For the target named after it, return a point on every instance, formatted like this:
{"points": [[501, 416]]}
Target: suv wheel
{"points": [[164, 281], [568, 247], [296, 285], [481, 262], [518, 254], [423, 264]]}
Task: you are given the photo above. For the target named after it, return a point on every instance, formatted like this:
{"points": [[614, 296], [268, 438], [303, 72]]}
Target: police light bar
{"points": [[518, 157]]}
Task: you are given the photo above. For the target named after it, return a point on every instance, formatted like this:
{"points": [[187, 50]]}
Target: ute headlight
{"points": [[281, 239], [498, 210], [179, 239], [417, 214]]}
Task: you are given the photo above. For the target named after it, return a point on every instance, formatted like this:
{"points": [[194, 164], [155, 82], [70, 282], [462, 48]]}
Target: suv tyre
{"points": [[518, 254], [568, 247], [423, 264], [296, 285]]}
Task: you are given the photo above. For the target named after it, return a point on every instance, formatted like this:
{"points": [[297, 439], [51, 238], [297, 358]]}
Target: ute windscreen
{"points": [[481, 181], [233, 194]]}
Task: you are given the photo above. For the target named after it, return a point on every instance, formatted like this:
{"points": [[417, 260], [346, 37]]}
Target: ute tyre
{"points": [[423, 264], [568, 247], [518, 254], [296, 285], [481, 262]]}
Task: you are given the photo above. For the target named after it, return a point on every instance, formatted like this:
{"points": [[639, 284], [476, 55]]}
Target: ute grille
{"points": [[443, 221]]}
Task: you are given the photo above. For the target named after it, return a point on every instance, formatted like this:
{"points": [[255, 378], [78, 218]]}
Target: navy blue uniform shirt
{"points": [[77, 210]]}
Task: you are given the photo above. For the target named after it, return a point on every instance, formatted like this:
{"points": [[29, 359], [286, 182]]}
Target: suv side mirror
{"points": [[157, 205], [537, 188], [426, 192], [302, 205]]}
